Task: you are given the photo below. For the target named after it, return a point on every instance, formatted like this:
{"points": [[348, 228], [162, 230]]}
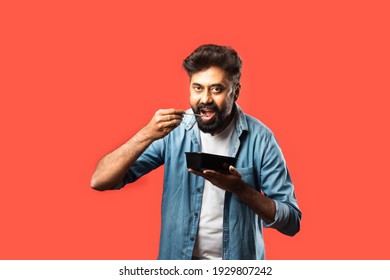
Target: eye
{"points": [[197, 88], [216, 89]]}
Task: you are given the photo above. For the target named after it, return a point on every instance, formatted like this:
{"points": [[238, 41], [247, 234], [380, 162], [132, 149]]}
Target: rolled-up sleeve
{"points": [[150, 159], [276, 184]]}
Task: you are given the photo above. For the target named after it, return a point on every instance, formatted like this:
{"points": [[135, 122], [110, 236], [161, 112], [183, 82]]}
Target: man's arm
{"points": [[279, 208], [112, 168], [260, 204]]}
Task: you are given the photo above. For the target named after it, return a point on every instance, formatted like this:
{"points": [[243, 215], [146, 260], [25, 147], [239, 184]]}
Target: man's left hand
{"points": [[229, 182]]}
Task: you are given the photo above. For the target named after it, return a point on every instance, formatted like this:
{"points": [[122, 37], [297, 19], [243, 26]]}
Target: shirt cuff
{"points": [[282, 214]]}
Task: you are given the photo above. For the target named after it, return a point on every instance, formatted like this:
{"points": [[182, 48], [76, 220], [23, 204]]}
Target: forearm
{"points": [[259, 203], [112, 168]]}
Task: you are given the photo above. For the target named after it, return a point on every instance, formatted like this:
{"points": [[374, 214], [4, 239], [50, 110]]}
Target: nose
{"points": [[206, 97]]}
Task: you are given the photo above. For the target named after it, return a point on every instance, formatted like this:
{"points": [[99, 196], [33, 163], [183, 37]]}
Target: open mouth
{"points": [[207, 114]]}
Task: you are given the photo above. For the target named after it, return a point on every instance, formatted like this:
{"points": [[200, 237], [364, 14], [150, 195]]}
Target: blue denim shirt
{"points": [[261, 163]]}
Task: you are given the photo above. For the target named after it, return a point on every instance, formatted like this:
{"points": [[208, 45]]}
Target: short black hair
{"points": [[209, 55]]}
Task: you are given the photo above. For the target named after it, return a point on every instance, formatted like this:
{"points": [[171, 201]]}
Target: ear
{"points": [[237, 90]]}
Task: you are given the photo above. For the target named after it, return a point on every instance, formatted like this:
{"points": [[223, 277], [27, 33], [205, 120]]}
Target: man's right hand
{"points": [[163, 122], [112, 168]]}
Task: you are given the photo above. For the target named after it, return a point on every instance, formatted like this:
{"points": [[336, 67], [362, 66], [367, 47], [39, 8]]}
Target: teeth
{"points": [[205, 113]]}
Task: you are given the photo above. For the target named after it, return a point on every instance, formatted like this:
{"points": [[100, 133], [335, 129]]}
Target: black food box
{"points": [[203, 161]]}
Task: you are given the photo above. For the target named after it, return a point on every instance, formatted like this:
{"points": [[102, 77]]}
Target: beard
{"points": [[213, 125]]}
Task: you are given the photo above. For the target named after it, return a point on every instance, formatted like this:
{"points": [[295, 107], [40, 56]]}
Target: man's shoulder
{"points": [[256, 126]]}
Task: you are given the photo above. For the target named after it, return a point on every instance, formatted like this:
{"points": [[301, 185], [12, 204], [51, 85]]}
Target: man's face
{"points": [[212, 94]]}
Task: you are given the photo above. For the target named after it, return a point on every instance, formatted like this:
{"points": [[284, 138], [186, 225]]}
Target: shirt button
{"points": [[196, 214], [198, 189], [192, 239]]}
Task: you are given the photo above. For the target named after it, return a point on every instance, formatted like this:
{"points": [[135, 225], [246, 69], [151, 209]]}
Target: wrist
{"points": [[144, 136], [240, 188]]}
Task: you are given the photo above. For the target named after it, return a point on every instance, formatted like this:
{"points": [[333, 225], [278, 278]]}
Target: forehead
{"points": [[210, 75]]}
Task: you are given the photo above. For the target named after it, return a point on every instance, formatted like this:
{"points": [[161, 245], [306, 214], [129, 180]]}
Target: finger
{"points": [[198, 173], [178, 111], [212, 175], [211, 172], [234, 171], [177, 116], [173, 117], [171, 111], [172, 123]]}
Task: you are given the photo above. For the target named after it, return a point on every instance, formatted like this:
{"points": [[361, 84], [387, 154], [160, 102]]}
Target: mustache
{"points": [[211, 106]]}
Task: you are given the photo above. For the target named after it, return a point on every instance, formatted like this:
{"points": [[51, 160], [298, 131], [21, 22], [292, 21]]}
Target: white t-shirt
{"points": [[208, 244]]}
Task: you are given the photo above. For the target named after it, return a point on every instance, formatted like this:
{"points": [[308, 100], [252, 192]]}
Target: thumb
{"points": [[234, 171]]}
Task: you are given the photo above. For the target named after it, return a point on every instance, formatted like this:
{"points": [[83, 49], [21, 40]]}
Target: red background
{"points": [[78, 78]]}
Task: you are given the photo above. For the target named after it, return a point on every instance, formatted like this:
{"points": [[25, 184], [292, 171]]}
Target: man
{"points": [[210, 215]]}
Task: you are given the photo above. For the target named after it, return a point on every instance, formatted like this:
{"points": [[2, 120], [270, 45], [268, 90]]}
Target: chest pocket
{"points": [[249, 176]]}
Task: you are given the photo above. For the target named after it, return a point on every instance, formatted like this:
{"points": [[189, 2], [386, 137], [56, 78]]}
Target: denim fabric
{"points": [[262, 165]]}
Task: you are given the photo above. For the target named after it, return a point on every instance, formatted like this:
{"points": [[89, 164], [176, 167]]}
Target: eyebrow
{"points": [[212, 85], [218, 85]]}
